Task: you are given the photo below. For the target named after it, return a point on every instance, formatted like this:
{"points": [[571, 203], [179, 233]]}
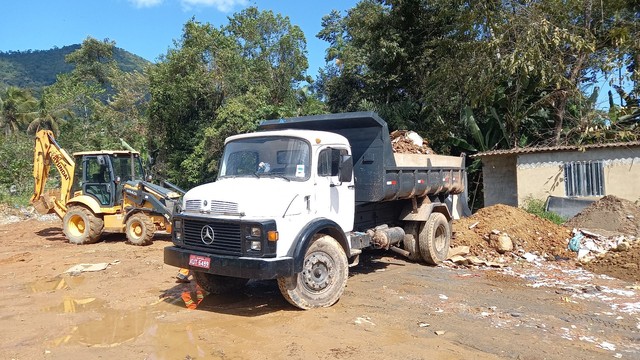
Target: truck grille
{"points": [[216, 208], [223, 207], [192, 205], [227, 237]]}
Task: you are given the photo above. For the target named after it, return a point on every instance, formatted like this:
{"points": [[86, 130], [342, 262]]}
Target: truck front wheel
{"points": [[81, 226], [323, 278], [218, 284], [140, 229], [435, 238]]}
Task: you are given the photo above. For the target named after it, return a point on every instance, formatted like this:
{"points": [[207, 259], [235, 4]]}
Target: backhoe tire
{"points": [[82, 226], [410, 241], [218, 284], [323, 278], [435, 238], [140, 229]]}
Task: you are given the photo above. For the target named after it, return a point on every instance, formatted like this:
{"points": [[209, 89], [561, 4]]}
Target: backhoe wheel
{"points": [[81, 226], [140, 229], [410, 241], [218, 284], [435, 238], [323, 278]]}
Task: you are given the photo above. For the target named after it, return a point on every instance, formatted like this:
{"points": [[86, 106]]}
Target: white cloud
{"points": [[221, 5], [145, 3]]}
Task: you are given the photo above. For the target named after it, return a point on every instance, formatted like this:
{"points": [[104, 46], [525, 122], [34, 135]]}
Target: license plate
{"points": [[199, 261]]}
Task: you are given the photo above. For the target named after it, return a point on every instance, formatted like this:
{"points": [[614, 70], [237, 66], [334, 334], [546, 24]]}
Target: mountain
{"points": [[38, 68]]}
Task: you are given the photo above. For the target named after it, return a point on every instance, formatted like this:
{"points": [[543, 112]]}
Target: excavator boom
{"points": [[45, 152]]}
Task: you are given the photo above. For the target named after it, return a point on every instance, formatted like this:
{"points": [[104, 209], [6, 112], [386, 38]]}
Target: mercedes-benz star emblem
{"points": [[207, 235]]}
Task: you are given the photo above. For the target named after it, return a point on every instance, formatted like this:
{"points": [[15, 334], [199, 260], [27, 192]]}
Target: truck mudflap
{"points": [[240, 267]]}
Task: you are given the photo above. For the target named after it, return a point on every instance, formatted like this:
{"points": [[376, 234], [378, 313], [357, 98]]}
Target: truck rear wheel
{"points": [[81, 226], [410, 241], [218, 284], [435, 238], [323, 278], [140, 229]]}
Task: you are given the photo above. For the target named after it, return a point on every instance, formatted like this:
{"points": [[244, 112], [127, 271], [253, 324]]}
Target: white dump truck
{"points": [[300, 199]]}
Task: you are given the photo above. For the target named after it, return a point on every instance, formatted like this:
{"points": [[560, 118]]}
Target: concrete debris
{"points": [[458, 251], [504, 244]]}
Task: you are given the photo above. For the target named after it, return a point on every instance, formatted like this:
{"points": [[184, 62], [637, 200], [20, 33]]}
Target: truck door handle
{"points": [[351, 187]]}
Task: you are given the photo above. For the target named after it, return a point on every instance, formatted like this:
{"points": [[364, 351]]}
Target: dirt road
{"points": [[391, 309]]}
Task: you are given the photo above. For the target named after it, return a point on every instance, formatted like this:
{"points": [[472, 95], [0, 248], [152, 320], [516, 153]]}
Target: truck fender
{"points": [[87, 201], [424, 210], [305, 236]]}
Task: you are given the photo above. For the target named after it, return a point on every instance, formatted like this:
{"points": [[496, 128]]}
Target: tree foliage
{"points": [[222, 81], [527, 61]]}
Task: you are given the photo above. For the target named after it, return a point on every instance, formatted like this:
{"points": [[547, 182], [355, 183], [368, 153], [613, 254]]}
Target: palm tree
{"points": [[46, 118], [15, 105]]}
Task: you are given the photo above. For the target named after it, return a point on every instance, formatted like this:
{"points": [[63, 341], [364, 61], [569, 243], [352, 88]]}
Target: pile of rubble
{"points": [[409, 142], [606, 237], [498, 234]]}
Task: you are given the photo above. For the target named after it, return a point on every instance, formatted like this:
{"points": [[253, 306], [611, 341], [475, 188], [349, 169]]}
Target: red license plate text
{"points": [[199, 261]]}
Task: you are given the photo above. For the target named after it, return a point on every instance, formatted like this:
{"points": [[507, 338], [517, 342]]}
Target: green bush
{"points": [[16, 169], [536, 207]]}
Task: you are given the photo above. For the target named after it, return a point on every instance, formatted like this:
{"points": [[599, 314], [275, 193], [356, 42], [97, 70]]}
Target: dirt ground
{"points": [[391, 309]]}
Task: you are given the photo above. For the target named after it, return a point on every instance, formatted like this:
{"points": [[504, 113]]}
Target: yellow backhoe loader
{"points": [[100, 191]]}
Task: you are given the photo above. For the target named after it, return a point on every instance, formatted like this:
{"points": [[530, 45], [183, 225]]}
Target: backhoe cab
{"points": [[100, 191]]}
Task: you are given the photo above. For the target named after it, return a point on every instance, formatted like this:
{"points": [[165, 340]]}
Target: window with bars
{"points": [[584, 178]]}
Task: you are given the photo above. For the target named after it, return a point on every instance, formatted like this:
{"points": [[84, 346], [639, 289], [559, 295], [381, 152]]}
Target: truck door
{"points": [[335, 200], [97, 179]]}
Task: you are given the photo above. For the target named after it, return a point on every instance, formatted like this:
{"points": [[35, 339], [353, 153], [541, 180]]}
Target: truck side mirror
{"points": [[346, 168]]}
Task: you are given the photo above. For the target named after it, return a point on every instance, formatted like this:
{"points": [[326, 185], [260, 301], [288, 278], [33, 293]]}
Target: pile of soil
{"points": [[623, 265], [611, 214], [403, 144], [617, 216], [528, 232]]}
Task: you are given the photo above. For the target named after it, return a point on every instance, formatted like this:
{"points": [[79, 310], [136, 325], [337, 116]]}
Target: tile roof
{"points": [[531, 150]]}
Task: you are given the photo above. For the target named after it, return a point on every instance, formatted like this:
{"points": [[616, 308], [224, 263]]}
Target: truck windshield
{"points": [[122, 167], [267, 156]]}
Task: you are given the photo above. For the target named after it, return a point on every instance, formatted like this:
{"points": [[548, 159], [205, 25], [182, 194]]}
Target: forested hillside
{"points": [[35, 69]]}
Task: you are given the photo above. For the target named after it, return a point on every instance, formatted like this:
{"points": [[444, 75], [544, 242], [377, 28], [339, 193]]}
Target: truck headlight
{"points": [[256, 231], [256, 245]]}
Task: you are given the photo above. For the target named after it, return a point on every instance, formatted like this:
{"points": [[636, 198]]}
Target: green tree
{"points": [[222, 81], [15, 105], [46, 117]]}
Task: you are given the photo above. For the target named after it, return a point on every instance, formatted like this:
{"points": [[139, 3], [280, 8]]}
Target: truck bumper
{"points": [[241, 267]]}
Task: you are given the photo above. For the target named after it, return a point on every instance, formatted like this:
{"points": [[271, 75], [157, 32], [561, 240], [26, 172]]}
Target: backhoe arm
{"points": [[45, 152]]}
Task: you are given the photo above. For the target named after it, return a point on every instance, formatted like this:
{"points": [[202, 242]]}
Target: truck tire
{"points": [[218, 284], [435, 238], [323, 278], [410, 241], [140, 229], [81, 226]]}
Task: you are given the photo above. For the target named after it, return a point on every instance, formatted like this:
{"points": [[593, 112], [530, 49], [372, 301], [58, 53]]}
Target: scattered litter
{"points": [[422, 325], [443, 297], [439, 332], [607, 346], [364, 320], [87, 268], [80, 268]]}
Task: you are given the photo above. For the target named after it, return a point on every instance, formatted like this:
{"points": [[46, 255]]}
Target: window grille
{"points": [[584, 178]]}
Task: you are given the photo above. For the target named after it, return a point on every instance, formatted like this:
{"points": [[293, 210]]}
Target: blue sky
{"points": [[145, 27]]}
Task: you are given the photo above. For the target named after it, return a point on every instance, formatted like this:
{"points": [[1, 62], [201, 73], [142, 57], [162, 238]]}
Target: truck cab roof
{"points": [[107, 152], [314, 137]]}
